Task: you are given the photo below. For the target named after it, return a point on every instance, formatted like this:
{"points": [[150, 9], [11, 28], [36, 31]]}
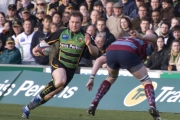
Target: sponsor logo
{"points": [[71, 46], [79, 39], [65, 36], [136, 96]]}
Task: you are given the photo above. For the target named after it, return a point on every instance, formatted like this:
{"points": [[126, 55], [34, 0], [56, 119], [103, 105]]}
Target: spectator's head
{"points": [[166, 3], [10, 44], [65, 17], [160, 42], [85, 16], [142, 11], [7, 25], [155, 4], [2, 19], [40, 14], [98, 6], [91, 30], [118, 9], [139, 2], [144, 24], [75, 21], [46, 22], [109, 8], [56, 17], [25, 14], [52, 10], [17, 27], [175, 21], [100, 41], [125, 23], [26, 1], [54, 27], [11, 10], [65, 2], [156, 16], [83, 8], [101, 25], [175, 46], [27, 26], [69, 8], [95, 15], [176, 32], [164, 28], [41, 4]]}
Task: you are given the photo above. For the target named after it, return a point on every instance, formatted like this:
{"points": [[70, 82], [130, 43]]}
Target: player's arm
{"points": [[92, 49]]}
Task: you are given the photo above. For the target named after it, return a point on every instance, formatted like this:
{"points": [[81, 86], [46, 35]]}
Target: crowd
{"points": [[28, 22]]}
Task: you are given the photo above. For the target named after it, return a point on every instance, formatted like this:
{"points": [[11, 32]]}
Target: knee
{"points": [[60, 83]]}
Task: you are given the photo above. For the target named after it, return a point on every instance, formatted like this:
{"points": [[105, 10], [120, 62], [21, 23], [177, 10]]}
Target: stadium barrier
{"points": [[18, 87]]}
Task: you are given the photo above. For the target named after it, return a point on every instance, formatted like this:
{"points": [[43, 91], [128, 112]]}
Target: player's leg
{"points": [[141, 74]]}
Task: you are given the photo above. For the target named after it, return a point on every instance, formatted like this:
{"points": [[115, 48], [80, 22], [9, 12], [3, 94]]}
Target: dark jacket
{"points": [[177, 8], [154, 61], [109, 38], [169, 41], [168, 13], [165, 63], [61, 9], [136, 24], [129, 6], [37, 37], [3, 37], [10, 56]]}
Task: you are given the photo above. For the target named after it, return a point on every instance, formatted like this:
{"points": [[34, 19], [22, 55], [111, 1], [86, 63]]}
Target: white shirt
{"points": [[23, 43]]}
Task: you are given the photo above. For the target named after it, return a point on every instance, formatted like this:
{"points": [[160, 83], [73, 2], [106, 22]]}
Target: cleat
{"points": [[91, 110], [25, 113], [154, 113]]}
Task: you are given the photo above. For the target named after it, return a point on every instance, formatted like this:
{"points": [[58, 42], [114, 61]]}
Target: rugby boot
{"points": [[25, 113], [91, 110], [154, 113]]}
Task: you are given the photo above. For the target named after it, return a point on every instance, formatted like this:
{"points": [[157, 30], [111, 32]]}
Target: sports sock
{"points": [[104, 87], [48, 89], [149, 90]]}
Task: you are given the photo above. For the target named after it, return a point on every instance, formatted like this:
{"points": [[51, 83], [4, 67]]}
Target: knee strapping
{"points": [[145, 78]]}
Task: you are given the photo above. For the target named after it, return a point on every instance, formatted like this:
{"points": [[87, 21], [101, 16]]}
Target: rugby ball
{"points": [[43, 49]]}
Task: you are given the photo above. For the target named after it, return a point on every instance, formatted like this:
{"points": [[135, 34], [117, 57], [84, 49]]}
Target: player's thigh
{"points": [[113, 74], [59, 75]]}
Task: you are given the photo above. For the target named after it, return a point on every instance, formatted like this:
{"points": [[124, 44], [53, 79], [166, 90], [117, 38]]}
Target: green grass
{"points": [[13, 112]]}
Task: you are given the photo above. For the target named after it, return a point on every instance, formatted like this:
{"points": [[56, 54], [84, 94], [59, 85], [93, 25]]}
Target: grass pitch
{"points": [[13, 112]]}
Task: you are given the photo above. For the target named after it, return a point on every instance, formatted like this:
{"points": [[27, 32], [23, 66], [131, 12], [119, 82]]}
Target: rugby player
{"points": [[126, 53], [73, 42]]}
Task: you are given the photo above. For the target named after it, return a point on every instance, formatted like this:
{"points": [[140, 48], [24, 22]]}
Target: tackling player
{"points": [[127, 53], [73, 42]]}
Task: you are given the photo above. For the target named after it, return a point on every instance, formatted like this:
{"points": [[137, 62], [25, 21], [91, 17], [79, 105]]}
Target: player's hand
{"points": [[34, 51], [135, 34], [87, 39], [90, 84]]}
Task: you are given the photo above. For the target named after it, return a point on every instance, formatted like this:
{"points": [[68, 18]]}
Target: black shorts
{"points": [[122, 59], [69, 72]]}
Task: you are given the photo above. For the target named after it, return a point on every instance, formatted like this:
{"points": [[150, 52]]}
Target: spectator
{"points": [[168, 38], [85, 22], [54, 27], [156, 22], [154, 61], [95, 16], [126, 26], [167, 10], [69, 8], [65, 19], [12, 13], [2, 21], [144, 24], [27, 4], [113, 22], [53, 4], [11, 54], [91, 30], [170, 60], [104, 2], [17, 28], [56, 18], [52, 10], [142, 12], [64, 4], [176, 32], [99, 7], [155, 5], [89, 4], [176, 5], [23, 43], [109, 10], [129, 7], [103, 31], [83, 8], [175, 21], [38, 37], [40, 5], [40, 15]]}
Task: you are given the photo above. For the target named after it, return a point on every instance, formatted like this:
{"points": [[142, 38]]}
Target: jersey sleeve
{"points": [[54, 37]]}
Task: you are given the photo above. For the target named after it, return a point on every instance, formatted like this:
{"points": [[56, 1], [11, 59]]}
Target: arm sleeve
{"points": [[54, 37]]}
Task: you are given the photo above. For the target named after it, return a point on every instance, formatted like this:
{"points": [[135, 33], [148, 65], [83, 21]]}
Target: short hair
{"points": [[144, 6], [145, 19], [176, 28], [156, 10], [168, 1], [56, 13], [100, 35], [161, 37], [94, 10], [175, 18], [47, 17], [65, 13], [77, 14], [174, 41], [166, 23], [55, 24], [128, 20], [28, 21], [102, 20]]}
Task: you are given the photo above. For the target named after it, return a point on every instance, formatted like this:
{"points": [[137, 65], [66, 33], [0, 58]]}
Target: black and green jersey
{"points": [[71, 47]]}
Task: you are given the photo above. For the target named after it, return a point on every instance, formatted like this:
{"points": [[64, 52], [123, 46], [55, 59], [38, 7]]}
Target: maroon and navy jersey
{"points": [[132, 45]]}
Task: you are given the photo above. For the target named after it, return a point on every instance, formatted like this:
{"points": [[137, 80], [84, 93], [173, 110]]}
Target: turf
{"points": [[13, 112]]}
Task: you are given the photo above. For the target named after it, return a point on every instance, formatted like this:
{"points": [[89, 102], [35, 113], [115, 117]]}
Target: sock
{"points": [[149, 90], [48, 89], [104, 87], [42, 101]]}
